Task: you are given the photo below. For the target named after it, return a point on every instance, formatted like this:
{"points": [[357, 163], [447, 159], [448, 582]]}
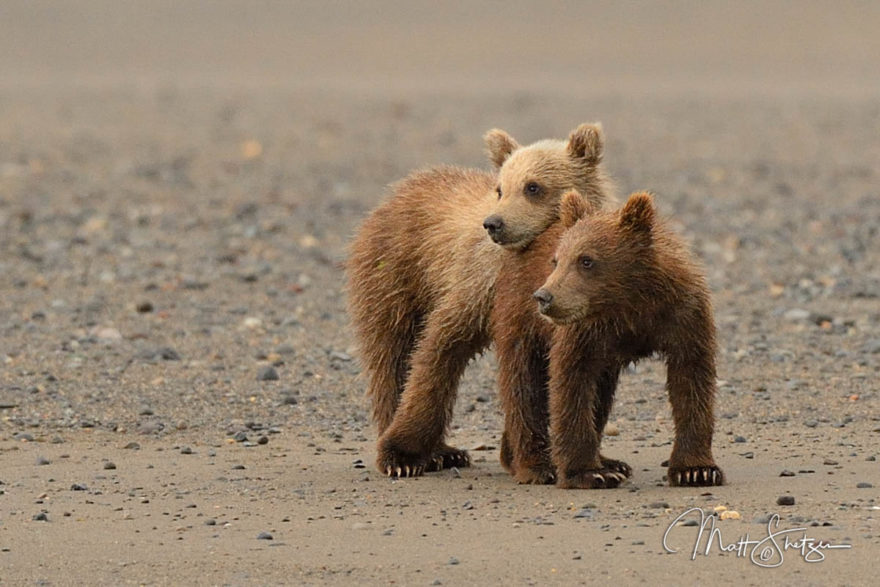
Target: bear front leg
{"points": [[691, 388], [522, 383], [413, 443], [574, 412], [607, 385]]}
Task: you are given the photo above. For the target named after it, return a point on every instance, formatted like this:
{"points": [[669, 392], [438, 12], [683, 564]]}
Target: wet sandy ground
{"points": [[177, 189]]}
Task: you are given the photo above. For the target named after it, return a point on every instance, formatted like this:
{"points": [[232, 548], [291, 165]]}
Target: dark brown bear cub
{"points": [[624, 287]]}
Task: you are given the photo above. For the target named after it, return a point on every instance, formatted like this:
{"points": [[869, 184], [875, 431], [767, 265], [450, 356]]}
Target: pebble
{"points": [[43, 461], [168, 354], [210, 522], [144, 307], [796, 315], [872, 346], [786, 473], [585, 513], [186, 450], [612, 429], [453, 560], [78, 487], [132, 446], [829, 462], [659, 505], [467, 505], [41, 517], [739, 439], [811, 423], [785, 500], [864, 485], [267, 373], [109, 466], [265, 536]]}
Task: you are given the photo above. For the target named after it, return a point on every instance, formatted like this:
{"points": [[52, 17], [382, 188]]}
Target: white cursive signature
{"points": [[768, 552]]}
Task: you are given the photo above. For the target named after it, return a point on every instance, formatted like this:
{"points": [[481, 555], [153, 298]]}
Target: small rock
{"points": [[78, 487], [585, 513], [267, 373], [864, 485], [41, 517], [240, 436], [785, 500], [662, 505], [829, 462], [42, 461], [168, 354], [132, 446], [467, 505], [144, 307], [786, 473], [210, 522], [796, 315], [186, 450], [109, 466], [107, 334], [611, 429], [265, 536], [739, 439], [263, 440], [453, 560], [872, 346], [811, 423]]}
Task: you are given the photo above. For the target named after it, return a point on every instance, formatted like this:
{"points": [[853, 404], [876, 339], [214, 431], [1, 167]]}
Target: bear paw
{"points": [[396, 463], [593, 479], [618, 466], [695, 476], [447, 457], [543, 474]]}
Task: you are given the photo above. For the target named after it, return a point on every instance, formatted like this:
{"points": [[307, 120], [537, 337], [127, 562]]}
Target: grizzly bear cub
{"points": [[421, 280], [623, 288]]}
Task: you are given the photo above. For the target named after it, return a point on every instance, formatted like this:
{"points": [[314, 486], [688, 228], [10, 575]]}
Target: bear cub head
{"points": [[533, 178], [604, 267]]}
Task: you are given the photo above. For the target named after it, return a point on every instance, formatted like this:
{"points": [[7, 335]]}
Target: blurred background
{"points": [[709, 45], [182, 179]]}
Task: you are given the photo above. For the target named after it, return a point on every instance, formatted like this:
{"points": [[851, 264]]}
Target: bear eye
{"points": [[532, 188], [498, 191], [554, 261], [586, 262]]}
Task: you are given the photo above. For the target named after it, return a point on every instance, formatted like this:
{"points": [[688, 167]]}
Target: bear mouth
{"points": [[507, 243]]}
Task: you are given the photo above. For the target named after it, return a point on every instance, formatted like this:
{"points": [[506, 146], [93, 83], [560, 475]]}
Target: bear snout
{"points": [[544, 299], [494, 225]]}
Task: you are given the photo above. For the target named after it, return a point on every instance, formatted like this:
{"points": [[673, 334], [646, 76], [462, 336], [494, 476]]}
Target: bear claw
{"points": [[594, 479], [695, 476]]}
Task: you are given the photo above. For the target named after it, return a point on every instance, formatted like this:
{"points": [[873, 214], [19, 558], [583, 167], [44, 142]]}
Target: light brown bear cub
{"points": [[623, 288], [421, 280]]}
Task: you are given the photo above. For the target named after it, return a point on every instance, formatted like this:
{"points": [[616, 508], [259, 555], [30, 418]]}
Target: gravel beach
{"points": [[180, 397]]}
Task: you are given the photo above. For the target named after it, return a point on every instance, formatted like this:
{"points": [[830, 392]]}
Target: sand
{"points": [[178, 185]]}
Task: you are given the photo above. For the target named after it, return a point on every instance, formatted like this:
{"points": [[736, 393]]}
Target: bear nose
{"points": [[493, 224], [544, 298]]}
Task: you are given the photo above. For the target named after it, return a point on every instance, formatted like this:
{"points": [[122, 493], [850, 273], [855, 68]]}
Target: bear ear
{"points": [[573, 207], [499, 145], [637, 215], [587, 142]]}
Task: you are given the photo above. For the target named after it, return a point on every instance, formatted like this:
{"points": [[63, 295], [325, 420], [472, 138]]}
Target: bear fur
{"points": [[623, 288], [421, 280]]}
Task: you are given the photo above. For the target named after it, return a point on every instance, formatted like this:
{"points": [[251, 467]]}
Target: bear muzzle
{"points": [[544, 299], [494, 225]]}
